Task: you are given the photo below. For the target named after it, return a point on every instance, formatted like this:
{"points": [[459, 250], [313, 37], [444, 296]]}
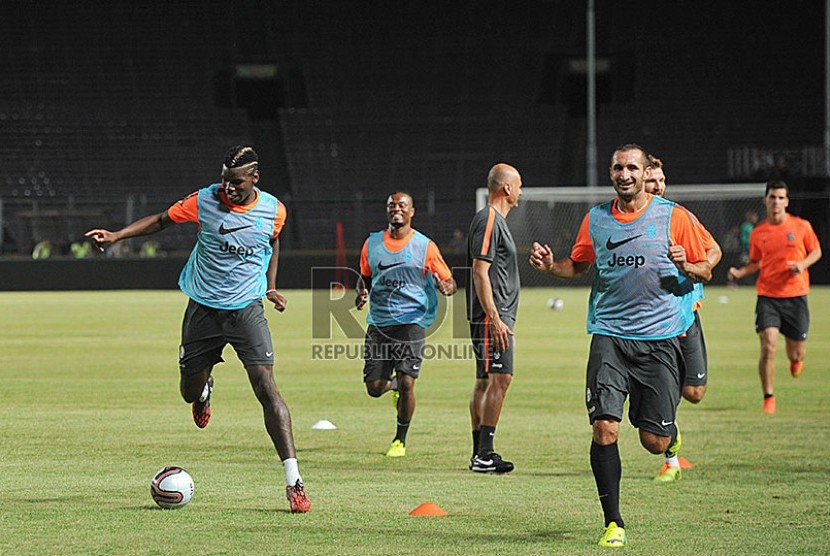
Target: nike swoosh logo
{"points": [[223, 230], [484, 462], [269, 353], [611, 245], [382, 266], [665, 424], [701, 375], [416, 367]]}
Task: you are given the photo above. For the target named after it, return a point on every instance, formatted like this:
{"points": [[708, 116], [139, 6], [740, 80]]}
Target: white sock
{"points": [[292, 471], [673, 462], [205, 392]]}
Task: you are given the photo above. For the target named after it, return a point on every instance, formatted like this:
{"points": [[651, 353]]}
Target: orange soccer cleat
{"points": [[796, 369], [201, 410], [297, 498]]}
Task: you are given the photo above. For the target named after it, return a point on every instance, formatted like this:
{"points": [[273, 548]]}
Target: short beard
{"points": [[629, 196], [626, 197]]}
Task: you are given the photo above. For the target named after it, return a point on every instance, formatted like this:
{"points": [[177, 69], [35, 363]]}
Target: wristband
{"points": [[270, 291]]}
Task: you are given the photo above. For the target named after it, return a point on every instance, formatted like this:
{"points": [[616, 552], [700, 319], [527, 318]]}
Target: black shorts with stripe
{"points": [[206, 331], [487, 360], [648, 372], [790, 315], [389, 349]]}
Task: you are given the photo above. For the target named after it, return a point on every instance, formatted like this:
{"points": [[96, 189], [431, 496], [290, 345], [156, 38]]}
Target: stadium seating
{"points": [[397, 96]]}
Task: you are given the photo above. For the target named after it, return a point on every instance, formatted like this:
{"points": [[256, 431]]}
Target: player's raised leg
{"points": [[796, 353], [196, 389]]}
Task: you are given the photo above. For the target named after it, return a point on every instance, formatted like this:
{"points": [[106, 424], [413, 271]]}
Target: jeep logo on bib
{"points": [[392, 283], [631, 260], [237, 249]]}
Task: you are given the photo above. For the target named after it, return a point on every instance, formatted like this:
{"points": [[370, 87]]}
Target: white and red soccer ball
{"points": [[172, 487]]}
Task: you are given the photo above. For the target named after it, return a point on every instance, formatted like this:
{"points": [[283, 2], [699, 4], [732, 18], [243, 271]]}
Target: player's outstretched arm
{"points": [[142, 227], [542, 259]]}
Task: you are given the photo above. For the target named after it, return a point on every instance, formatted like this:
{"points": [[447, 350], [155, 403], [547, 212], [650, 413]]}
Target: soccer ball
{"points": [[172, 487], [556, 303]]}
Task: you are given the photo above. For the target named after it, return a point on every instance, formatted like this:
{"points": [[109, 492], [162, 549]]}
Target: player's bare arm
{"points": [[797, 267], [543, 260], [737, 273], [272, 294], [714, 254], [499, 331], [446, 287], [698, 272], [142, 227], [437, 266], [362, 293]]}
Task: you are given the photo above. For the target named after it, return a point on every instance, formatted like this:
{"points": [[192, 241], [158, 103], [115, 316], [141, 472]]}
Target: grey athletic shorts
{"points": [[790, 315], [393, 348], [487, 360], [647, 372], [693, 346], [206, 332]]}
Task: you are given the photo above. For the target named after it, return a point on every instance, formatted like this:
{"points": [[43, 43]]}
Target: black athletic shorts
{"points": [[790, 315], [648, 372], [206, 332], [487, 360], [693, 346], [393, 348]]}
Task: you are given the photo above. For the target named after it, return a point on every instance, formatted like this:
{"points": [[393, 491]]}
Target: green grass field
{"points": [[89, 410]]}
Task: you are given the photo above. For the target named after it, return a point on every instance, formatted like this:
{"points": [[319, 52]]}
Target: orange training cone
{"points": [[684, 463], [428, 508]]}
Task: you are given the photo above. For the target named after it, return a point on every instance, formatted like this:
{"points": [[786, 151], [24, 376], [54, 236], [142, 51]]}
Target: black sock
{"points": [[607, 468], [476, 435], [672, 441], [403, 428], [766, 396], [485, 439]]}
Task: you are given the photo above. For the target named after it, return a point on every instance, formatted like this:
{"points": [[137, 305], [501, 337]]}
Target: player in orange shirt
{"points": [[782, 247], [644, 250], [404, 268]]}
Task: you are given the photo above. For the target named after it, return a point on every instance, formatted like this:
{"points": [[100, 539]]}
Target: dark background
{"points": [[349, 101]]}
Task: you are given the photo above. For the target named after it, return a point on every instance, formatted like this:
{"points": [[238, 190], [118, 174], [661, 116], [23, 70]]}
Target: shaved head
{"points": [[500, 174]]}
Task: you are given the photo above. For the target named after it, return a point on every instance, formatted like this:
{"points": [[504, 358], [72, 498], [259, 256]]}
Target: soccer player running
{"points": [[403, 268], [232, 266], [492, 302], [692, 342], [782, 247], [642, 247]]}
